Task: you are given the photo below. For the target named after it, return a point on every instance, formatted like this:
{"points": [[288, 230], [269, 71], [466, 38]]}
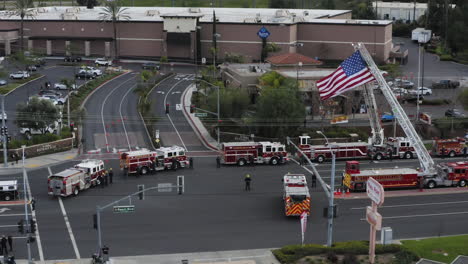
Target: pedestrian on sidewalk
{"points": [[111, 175], [10, 242], [218, 162], [247, 180], [3, 243]]}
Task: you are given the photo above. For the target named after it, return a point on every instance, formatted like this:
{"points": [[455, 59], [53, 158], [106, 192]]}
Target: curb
{"points": [[19, 86], [192, 124]]}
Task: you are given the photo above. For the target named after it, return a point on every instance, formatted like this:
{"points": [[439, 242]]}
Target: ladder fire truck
{"points": [[296, 195], [73, 180], [429, 175], [452, 174], [449, 147], [145, 161], [398, 147], [242, 153]]}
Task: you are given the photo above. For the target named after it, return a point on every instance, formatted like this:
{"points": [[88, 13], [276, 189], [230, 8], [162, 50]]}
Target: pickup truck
{"points": [[445, 84], [28, 132]]}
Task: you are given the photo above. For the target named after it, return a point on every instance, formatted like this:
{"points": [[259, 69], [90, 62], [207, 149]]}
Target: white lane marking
{"points": [[421, 215], [169, 117], [409, 205], [70, 231], [121, 117], [8, 225], [12, 214], [33, 214], [4, 209], [50, 171], [102, 110]]}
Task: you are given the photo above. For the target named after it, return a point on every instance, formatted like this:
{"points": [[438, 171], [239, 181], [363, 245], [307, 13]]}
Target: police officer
{"points": [[247, 180], [218, 162], [111, 175], [174, 164]]}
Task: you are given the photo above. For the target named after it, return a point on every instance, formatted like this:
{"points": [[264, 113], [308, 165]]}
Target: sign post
{"points": [[376, 193], [303, 226]]}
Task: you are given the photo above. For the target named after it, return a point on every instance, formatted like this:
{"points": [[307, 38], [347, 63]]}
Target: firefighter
{"points": [[174, 164], [10, 242], [106, 178], [314, 181], [100, 180], [218, 162], [247, 180], [251, 160], [111, 175], [369, 155], [281, 158], [390, 154], [191, 163], [105, 253], [3, 243], [442, 152]]}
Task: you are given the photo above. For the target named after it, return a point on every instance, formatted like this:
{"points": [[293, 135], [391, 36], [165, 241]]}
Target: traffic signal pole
{"points": [[5, 155], [28, 240]]}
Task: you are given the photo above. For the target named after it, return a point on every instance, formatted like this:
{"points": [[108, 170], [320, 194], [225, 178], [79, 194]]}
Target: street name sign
{"points": [[375, 191], [124, 209], [164, 187], [373, 218], [201, 114]]}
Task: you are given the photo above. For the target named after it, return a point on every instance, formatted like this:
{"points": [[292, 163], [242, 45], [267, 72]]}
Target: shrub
{"points": [[332, 257], [402, 29], [350, 259], [405, 257], [446, 57], [351, 247]]}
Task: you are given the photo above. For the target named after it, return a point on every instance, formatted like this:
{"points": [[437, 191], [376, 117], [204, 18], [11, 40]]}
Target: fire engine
{"points": [[400, 148], [295, 195], [242, 153], [144, 161], [355, 179], [73, 180], [320, 153], [450, 147], [449, 174]]}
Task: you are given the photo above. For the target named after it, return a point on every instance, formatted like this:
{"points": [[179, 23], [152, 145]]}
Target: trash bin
{"points": [[386, 235]]}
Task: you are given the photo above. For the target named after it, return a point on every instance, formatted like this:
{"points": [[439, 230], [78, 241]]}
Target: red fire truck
{"points": [[448, 147], [400, 148], [320, 153], [242, 153], [355, 179], [144, 161], [449, 174]]}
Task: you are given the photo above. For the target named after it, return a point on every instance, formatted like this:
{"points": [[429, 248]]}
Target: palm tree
{"points": [[23, 8], [113, 12]]}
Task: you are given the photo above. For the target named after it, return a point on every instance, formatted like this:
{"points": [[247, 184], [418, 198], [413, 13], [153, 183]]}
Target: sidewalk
{"points": [[39, 162], [250, 256], [406, 193]]}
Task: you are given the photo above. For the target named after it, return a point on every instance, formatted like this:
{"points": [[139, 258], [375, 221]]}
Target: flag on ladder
{"points": [[351, 73]]}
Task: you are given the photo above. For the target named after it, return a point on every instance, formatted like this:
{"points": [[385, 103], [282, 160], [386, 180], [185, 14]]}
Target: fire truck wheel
{"points": [[452, 154], [378, 156], [431, 184], [241, 162], [274, 161], [144, 170], [408, 155], [7, 197], [76, 191], [462, 183], [320, 159]]}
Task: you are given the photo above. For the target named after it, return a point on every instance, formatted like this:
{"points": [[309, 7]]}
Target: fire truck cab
{"points": [[242, 153], [73, 180], [174, 154], [399, 147], [296, 195], [145, 161], [449, 174], [449, 147]]}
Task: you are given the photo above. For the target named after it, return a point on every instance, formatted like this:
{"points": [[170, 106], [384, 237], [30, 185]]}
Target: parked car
{"points": [[38, 62], [49, 92], [3, 82], [387, 117], [19, 75], [421, 91], [72, 58], [85, 75], [445, 84], [54, 99], [150, 66], [400, 91], [454, 113], [103, 62], [61, 86], [31, 68], [28, 132], [96, 72], [403, 83]]}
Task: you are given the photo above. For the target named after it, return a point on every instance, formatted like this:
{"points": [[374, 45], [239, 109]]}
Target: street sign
{"points": [[156, 133], [374, 218], [164, 187], [124, 209], [178, 107], [263, 33], [303, 225], [375, 191], [203, 60], [201, 114]]}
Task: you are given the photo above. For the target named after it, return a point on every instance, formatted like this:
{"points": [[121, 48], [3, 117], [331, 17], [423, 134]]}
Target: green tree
{"points": [[233, 102], [114, 12], [282, 4], [19, 60], [463, 99], [37, 114], [23, 8], [280, 109], [327, 4], [362, 10]]}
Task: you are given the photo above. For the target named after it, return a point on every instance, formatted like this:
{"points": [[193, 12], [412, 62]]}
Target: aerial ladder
{"points": [[425, 159], [377, 139]]}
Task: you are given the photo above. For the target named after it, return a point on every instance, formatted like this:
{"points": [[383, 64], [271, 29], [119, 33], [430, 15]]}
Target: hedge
{"points": [[292, 253], [40, 139]]}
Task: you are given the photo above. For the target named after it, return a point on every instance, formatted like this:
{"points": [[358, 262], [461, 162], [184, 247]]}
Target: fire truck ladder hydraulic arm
{"points": [[426, 161], [377, 130]]}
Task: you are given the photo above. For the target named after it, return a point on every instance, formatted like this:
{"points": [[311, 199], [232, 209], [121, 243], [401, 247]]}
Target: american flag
{"points": [[351, 73]]}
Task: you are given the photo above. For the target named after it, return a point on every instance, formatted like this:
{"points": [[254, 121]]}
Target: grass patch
{"points": [[13, 85], [444, 249]]}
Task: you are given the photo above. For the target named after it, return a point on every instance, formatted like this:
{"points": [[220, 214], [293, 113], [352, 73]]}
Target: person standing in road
{"points": [[251, 160], [442, 152], [174, 164], [465, 150], [314, 181], [3, 243], [111, 175], [390, 154], [247, 180], [191, 162], [106, 178], [218, 162], [10, 242], [101, 181]]}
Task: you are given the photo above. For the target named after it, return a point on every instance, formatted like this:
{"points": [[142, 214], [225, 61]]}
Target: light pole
{"points": [[5, 156], [423, 38], [28, 241], [331, 198], [299, 65], [215, 36]]}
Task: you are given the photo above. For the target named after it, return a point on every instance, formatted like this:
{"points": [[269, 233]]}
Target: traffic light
{"points": [[21, 226], [33, 226], [2, 130], [192, 109], [31, 239], [167, 108], [95, 221], [141, 194], [72, 126]]}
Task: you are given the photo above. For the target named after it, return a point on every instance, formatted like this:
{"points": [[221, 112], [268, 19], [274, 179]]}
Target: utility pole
{"points": [[5, 155], [219, 119], [28, 241], [414, 12], [446, 23]]}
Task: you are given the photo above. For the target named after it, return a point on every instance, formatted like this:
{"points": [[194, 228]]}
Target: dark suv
{"points": [[72, 58], [454, 113]]}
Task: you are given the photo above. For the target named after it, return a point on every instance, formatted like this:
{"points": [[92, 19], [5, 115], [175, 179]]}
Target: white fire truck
{"points": [[399, 147], [242, 153], [296, 195], [73, 180], [145, 161], [9, 190]]}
